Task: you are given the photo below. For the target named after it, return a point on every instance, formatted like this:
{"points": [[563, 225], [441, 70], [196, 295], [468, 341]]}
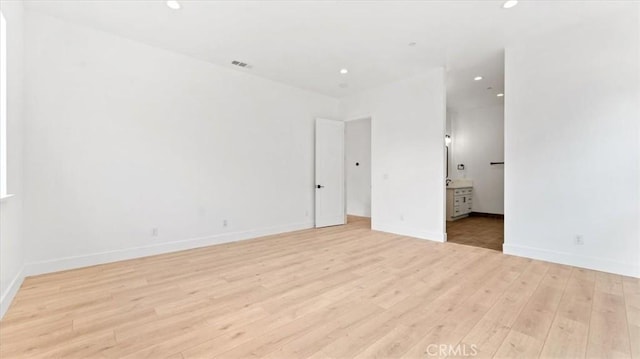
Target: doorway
{"points": [[358, 170], [475, 182]]}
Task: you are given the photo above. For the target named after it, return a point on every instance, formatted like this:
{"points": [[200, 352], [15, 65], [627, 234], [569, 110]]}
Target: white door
{"points": [[330, 193]]}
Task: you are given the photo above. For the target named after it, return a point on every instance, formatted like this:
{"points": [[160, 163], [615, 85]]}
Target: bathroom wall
{"points": [[478, 139]]}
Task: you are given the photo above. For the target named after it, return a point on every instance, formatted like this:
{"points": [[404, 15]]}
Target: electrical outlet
{"points": [[225, 223], [306, 213], [154, 232], [579, 241]]}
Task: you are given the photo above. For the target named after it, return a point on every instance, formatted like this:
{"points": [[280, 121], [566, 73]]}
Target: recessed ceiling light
{"points": [[477, 78], [344, 71], [173, 4], [509, 4], [412, 44], [500, 95]]}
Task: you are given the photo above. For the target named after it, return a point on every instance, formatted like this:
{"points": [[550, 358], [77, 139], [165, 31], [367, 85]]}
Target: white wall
{"points": [[407, 153], [11, 238], [572, 146], [358, 150], [124, 138], [477, 140]]}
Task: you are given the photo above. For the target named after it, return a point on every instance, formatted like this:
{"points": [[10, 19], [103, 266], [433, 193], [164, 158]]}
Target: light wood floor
{"points": [[340, 292], [482, 232]]}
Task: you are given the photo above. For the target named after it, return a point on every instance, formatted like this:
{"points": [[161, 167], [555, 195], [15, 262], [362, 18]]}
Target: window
{"points": [[3, 107]]}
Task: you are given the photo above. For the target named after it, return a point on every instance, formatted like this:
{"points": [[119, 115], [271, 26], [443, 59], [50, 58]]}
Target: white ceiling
{"points": [[306, 43]]}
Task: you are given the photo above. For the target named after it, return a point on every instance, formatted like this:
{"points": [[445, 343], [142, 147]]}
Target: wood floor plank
{"points": [[529, 332], [477, 231], [631, 289], [491, 330], [608, 329], [569, 331], [337, 292], [412, 324], [461, 319]]}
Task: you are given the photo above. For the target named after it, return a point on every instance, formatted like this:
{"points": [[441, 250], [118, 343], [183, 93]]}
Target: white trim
{"points": [[358, 118], [599, 264], [10, 293], [359, 213], [66, 263], [5, 196], [408, 231]]}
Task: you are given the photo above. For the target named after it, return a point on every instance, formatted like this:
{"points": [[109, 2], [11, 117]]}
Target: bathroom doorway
{"points": [[474, 140]]}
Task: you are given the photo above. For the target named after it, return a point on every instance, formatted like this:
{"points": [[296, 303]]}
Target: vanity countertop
{"points": [[460, 183], [458, 186]]}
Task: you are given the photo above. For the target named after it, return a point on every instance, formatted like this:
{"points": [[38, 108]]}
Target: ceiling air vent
{"points": [[241, 64]]}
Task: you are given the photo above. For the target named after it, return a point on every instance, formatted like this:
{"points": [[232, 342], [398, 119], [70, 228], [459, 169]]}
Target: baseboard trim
{"points": [[408, 231], [599, 264], [489, 215], [359, 213], [73, 262], [10, 293]]}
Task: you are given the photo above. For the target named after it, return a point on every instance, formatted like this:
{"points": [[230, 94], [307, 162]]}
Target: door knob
{"points": [[319, 186]]}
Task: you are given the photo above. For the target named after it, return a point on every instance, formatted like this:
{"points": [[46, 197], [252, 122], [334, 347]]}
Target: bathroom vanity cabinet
{"points": [[459, 202]]}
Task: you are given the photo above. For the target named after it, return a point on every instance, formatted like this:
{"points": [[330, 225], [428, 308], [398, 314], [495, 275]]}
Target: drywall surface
{"points": [[572, 146], [135, 150], [358, 167], [478, 140], [407, 153]]}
